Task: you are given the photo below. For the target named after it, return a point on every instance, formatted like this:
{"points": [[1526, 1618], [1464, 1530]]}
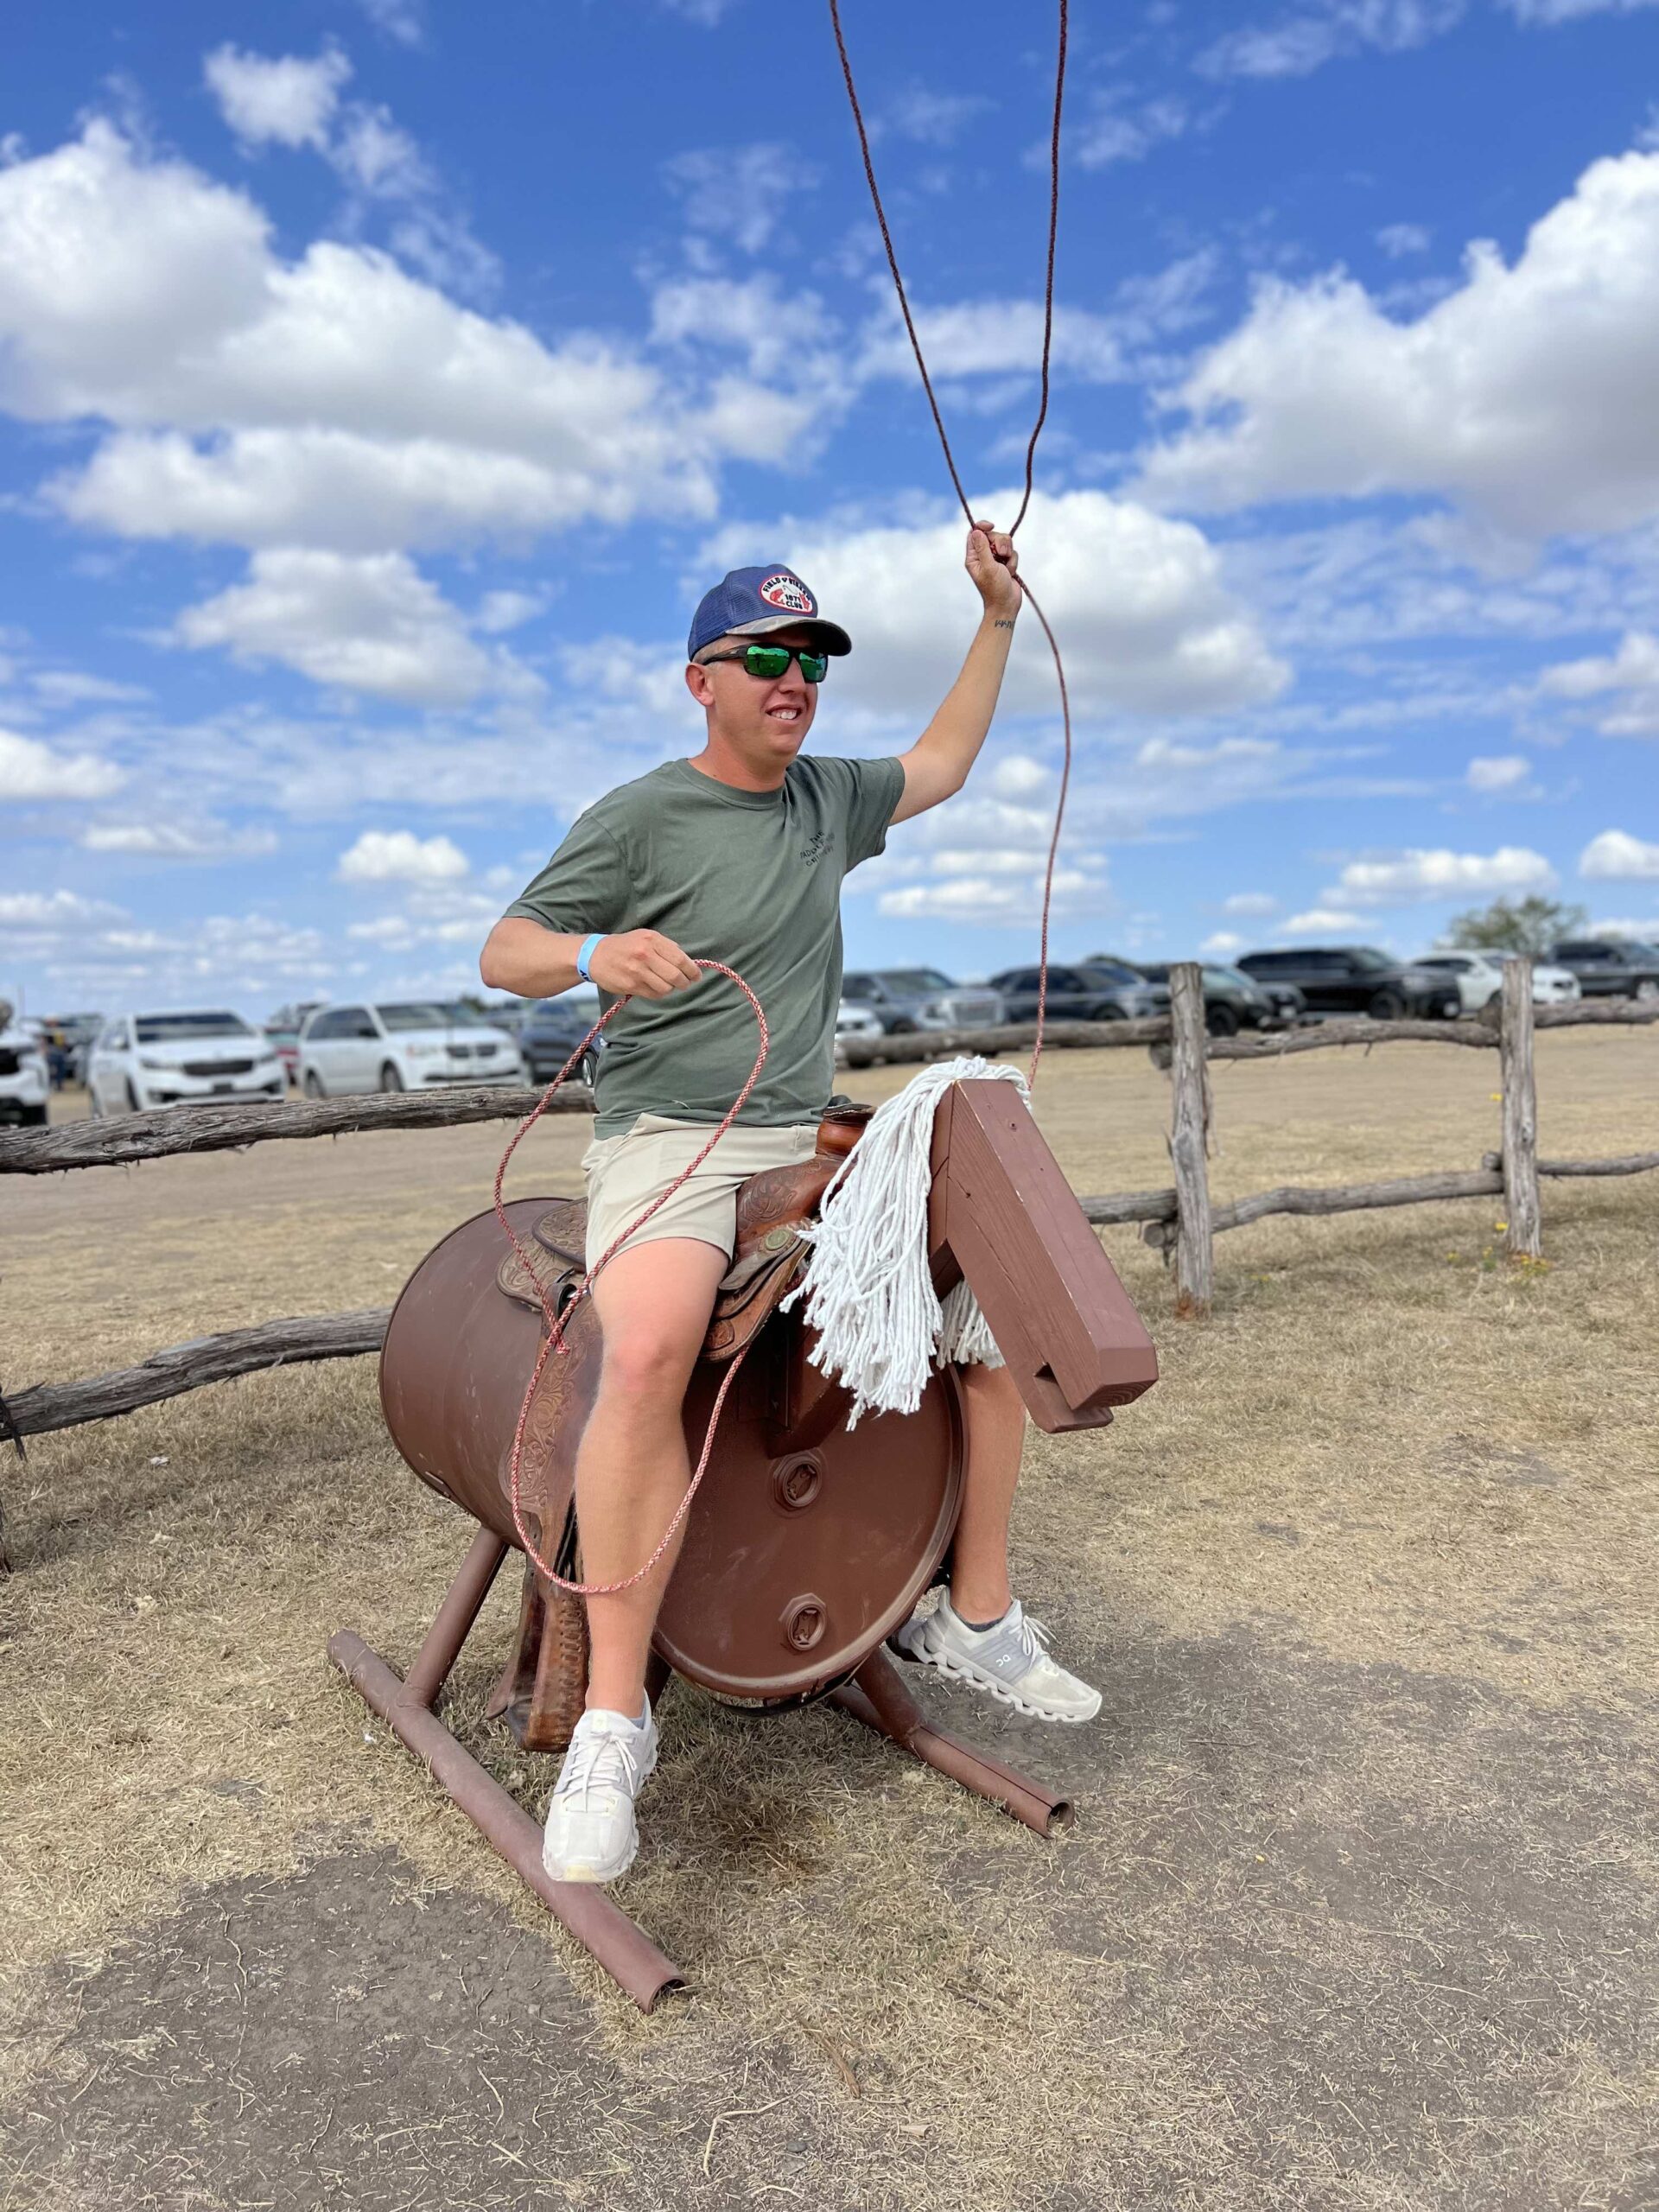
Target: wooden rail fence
{"points": [[1179, 1219]]}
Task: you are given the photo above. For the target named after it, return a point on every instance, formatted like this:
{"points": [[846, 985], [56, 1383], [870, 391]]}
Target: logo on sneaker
{"points": [[788, 593]]}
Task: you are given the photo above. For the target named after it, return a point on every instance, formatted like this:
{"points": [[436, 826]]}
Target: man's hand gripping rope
{"points": [[554, 1340]]}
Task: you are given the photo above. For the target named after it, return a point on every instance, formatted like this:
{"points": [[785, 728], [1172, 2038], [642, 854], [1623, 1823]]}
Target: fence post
{"points": [[1524, 1237], [1189, 1139]]}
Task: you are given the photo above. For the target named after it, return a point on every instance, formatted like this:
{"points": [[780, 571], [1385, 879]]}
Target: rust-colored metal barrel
{"points": [[806, 1543], [456, 1358]]}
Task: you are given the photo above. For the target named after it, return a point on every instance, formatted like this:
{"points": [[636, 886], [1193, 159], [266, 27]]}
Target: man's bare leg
{"points": [[653, 1302], [979, 1634], [995, 1439]]}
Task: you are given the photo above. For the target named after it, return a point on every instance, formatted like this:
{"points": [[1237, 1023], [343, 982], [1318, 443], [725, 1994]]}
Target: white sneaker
{"points": [[590, 1835], [1009, 1660]]}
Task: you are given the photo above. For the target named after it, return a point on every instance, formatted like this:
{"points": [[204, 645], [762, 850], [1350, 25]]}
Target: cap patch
{"points": [[789, 592]]}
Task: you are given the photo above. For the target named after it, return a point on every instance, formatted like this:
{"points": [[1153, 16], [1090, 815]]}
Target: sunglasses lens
{"points": [[766, 660], [815, 667]]}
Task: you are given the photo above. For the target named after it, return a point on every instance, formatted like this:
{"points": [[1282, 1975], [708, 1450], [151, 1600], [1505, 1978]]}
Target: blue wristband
{"points": [[589, 945]]}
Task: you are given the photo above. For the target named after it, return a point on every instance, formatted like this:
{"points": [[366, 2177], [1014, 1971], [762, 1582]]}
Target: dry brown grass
{"points": [[1388, 1468]]}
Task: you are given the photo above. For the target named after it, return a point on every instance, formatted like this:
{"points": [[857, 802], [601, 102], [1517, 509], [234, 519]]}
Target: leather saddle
{"points": [[770, 1252]]}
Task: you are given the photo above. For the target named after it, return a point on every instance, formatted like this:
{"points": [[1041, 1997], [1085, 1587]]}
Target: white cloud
{"points": [[1409, 877], [1319, 921], [1253, 904], [998, 896], [1297, 45], [333, 401], [399, 856], [53, 910], [499, 611], [1017, 776], [1222, 944], [1632, 673], [1135, 600], [932, 118], [30, 770], [367, 623], [196, 841], [1525, 394], [288, 101], [1003, 337], [1643, 927], [1117, 132], [1615, 855], [1551, 12], [1497, 773], [743, 192], [402, 20], [1398, 239]]}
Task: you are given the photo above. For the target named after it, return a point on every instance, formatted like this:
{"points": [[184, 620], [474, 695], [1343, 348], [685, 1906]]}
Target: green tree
{"points": [[1530, 925]]}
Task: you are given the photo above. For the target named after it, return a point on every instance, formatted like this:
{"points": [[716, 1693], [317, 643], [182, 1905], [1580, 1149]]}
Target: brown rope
{"points": [[1030, 448]]}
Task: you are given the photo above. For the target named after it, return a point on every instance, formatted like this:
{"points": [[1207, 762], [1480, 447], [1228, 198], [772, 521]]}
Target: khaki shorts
{"points": [[626, 1173]]}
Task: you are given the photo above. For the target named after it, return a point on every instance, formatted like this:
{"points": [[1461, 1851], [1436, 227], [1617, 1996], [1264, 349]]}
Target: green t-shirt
{"points": [[750, 878]]}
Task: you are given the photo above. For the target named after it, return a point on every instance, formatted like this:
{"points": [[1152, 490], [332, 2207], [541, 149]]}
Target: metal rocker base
{"points": [[875, 1696]]}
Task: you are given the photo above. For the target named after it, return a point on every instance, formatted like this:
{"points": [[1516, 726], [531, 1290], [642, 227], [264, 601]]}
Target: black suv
{"points": [[1092, 990], [1232, 1001], [1357, 979], [551, 1031], [1611, 967]]}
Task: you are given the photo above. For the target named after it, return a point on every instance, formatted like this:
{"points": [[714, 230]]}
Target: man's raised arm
{"points": [[936, 766]]}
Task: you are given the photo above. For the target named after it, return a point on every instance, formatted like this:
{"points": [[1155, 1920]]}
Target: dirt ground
{"points": [[1359, 1912]]}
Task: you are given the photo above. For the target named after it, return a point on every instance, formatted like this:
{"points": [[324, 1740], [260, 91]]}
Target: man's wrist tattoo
{"points": [[1004, 622]]}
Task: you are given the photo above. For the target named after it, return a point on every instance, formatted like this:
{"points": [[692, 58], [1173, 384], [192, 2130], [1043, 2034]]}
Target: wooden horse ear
{"points": [[1003, 1215]]}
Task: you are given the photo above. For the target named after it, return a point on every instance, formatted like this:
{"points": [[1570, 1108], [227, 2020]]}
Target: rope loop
{"points": [[1030, 447]]}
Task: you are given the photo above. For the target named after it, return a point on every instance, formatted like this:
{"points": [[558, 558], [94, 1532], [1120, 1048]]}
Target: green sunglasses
{"points": [[770, 661]]}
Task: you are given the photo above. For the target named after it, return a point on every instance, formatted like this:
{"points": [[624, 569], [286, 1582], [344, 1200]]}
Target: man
{"points": [[737, 855]]}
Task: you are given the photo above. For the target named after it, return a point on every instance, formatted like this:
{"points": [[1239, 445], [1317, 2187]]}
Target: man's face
{"points": [[764, 719]]}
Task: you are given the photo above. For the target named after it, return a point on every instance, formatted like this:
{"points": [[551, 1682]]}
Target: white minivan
{"points": [[403, 1045], [170, 1058]]}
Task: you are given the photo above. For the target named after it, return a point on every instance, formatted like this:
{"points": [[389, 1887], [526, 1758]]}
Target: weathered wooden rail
{"points": [[1180, 1218]]}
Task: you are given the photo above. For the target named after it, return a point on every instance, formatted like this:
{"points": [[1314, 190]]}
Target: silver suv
{"points": [[905, 1000]]}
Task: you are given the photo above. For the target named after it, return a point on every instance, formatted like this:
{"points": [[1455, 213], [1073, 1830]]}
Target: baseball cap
{"points": [[749, 602]]}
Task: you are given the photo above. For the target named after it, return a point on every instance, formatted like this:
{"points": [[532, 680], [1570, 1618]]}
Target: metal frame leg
{"points": [[877, 1697], [626, 1954]]}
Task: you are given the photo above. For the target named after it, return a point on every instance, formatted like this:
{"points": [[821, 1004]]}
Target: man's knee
{"points": [[652, 1358]]}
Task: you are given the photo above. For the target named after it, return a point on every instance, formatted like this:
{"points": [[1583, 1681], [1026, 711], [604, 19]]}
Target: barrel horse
{"points": [[808, 1543]]}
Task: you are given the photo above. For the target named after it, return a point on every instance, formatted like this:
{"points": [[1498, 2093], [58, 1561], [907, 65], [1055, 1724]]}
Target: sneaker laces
{"points": [[1033, 1639], [598, 1759]]}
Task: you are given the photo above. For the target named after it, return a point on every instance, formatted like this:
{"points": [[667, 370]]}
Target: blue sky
{"points": [[382, 380]]}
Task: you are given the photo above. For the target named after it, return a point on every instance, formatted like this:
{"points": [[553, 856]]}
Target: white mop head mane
{"points": [[881, 1329]]}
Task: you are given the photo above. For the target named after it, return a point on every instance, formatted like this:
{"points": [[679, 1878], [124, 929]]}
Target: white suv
{"points": [[143, 1060], [1479, 977], [403, 1045]]}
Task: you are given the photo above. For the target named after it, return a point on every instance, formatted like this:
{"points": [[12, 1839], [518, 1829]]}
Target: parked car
{"points": [[25, 1080], [171, 1059], [1611, 967], [1357, 979], [402, 1044], [552, 1031], [1232, 999], [1479, 977], [905, 1000], [1098, 990], [283, 1031], [858, 1033]]}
